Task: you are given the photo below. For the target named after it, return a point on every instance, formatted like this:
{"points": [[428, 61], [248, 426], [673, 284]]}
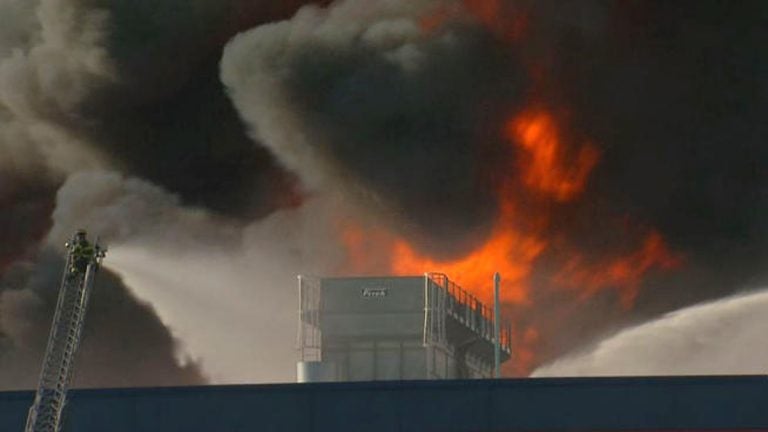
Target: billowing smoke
{"points": [[50, 59], [673, 101], [124, 343], [405, 118], [80, 91], [217, 174], [361, 99], [24, 218], [224, 288]]}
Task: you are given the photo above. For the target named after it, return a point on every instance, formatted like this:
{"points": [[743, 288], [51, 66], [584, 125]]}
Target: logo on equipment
{"points": [[375, 292]]}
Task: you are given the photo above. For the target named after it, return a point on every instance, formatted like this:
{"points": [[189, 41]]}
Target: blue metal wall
{"points": [[482, 405]]}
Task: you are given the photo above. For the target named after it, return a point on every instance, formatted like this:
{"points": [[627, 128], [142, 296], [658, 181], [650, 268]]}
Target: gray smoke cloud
{"points": [[53, 58], [225, 289], [18, 24], [168, 120], [124, 344], [406, 122], [84, 96], [50, 57], [85, 85], [218, 173], [363, 100], [127, 208], [43, 84]]}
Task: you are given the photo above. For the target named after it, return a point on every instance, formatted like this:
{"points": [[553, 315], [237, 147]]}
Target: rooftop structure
{"points": [[394, 328]]}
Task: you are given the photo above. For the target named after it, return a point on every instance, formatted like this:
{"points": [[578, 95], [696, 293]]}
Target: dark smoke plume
{"points": [[132, 86], [404, 121], [24, 219], [671, 94], [124, 343], [365, 101], [674, 94], [119, 85], [167, 119]]}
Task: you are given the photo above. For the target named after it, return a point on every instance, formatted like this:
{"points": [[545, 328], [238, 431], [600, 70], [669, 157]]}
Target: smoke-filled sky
{"points": [[606, 157]]}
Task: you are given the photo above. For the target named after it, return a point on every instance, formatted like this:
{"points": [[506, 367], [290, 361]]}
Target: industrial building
{"points": [[395, 328], [399, 338]]}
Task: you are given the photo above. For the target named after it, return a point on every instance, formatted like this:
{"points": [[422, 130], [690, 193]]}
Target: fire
{"points": [[526, 340], [548, 167], [497, 16], [507, 251], [622, 273], [551, 168], [544, 166], [362, 245]]}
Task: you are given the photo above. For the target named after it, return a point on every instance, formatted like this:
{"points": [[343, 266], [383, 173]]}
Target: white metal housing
{"points": [[395, 328]]}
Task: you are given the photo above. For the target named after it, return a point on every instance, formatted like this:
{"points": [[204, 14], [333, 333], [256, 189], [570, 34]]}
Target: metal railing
{"points": [[309, 339], [453, 300]]}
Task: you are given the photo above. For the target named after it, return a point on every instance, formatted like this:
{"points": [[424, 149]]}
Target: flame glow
{"points": [[497, 16], [622, 273], [508, 251], [546, 166], [543, 168]]}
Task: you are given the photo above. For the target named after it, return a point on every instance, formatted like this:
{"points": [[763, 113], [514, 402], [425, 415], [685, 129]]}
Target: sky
{"points": [[605, 157]]}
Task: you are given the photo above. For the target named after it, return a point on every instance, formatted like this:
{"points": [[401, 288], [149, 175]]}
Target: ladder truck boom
{"points": [[83, 261]]}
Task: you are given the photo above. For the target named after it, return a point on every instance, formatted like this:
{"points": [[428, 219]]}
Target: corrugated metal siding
{"points": [[609, 404]]}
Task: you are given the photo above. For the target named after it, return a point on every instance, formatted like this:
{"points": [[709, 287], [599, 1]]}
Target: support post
{"points": [[427, 312], [496, 327], [301, 336]]}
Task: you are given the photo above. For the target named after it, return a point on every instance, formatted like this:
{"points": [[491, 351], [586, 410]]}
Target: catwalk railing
{"points": [[444, 298]]}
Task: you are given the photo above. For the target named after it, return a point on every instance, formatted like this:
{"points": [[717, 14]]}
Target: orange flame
{"points": [[498, 17], [623, 274], [548, 167], [495, 15], [507, 251], [525, 341], [544, 167]]}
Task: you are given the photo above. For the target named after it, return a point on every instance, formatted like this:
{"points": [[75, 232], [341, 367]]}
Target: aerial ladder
{"points": [[83, 261]]}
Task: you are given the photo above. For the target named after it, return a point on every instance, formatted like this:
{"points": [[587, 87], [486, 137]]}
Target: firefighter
{"points": [[82, 252]]}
